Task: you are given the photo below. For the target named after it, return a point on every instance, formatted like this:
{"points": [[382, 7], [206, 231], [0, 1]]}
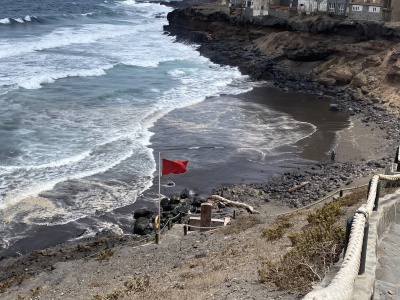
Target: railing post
{"points": [[234, 214], [185, 229], [364, 249], [169, 224], [349, 222], [378, 191], [157, 238], [205, 217], [341, 193]]}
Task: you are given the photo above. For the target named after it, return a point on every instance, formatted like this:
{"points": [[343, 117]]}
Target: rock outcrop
{"points": [[310, 54]]}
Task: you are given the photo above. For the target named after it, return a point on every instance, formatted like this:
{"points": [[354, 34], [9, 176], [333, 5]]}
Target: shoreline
{"points": [[288, 176], [350, 149]]}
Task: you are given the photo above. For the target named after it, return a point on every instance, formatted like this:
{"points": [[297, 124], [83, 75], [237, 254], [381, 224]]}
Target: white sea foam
{"points": [[84, 132], [28, 18], [36, 82], [5, 21]]}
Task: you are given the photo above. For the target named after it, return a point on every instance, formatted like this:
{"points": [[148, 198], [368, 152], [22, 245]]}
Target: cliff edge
{"points": [[315, 54]]}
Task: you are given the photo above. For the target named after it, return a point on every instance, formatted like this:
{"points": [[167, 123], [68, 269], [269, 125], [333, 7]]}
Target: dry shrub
{"points": [[357, 196], [278, 228], [6, 284], [22, 277], [137, 286], [315, 248], [35, 291], [105, 254], [241, 224]]}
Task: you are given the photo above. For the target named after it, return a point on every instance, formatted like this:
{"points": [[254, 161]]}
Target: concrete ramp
{"points": [[387, 281]]}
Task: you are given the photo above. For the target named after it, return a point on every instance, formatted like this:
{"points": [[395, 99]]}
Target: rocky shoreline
{"points": [[233, 41]]}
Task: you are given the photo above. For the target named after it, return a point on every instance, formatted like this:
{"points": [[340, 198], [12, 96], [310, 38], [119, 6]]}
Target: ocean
{"points": [[91, 91]]}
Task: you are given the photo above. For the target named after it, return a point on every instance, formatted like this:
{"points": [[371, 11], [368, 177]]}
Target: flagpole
{"points": [[159, 194]]}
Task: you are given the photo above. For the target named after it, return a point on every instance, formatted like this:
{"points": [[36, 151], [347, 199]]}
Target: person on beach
{"points": [[333, 156]]}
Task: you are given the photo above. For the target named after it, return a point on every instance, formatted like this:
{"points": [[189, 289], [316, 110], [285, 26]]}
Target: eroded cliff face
{"points": [[313, 54]]}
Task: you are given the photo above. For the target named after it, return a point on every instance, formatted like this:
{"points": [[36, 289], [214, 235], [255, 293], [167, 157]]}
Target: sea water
{"points": [[82, 84]]}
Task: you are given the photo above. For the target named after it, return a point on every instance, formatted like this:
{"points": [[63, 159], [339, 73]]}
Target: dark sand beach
{"points": [[218, 164], [353, 141]]}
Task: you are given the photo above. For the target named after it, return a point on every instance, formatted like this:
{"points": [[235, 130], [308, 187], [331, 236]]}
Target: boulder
{"points": [[393, 75], [360, 80], [142, 226], [325, 81], [186, 193], [175, 199], [334, 107], [165, 204], [342, 74], [143, 212], [197, 201]]}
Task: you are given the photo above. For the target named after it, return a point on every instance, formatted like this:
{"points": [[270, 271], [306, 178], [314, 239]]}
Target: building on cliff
{"points": [[370, 10], [259, 7], [311, 6], [337, 7], [283, 8], [363, 10]]}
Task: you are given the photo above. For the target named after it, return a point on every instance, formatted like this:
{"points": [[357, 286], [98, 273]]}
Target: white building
{"points": [[309, 6], [260, 7]]}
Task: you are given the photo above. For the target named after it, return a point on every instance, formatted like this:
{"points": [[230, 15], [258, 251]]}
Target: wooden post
{"points": [[169, 224], [234, 214], [205, 216], [341, 193], [185, 229], [157, 238]]}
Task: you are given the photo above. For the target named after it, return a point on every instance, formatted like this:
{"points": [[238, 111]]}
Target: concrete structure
{"points": [[255, 8], [393, 10], [381, 223], [260, 7], [368, 10], [282, 11], [311, 6], [337, 7]]}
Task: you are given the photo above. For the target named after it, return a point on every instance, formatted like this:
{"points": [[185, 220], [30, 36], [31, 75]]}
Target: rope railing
{"points": [[321, 200], [341, 287], [134, 243]]}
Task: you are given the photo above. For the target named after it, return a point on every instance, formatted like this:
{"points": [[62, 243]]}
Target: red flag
{"points": [[173, 166]]}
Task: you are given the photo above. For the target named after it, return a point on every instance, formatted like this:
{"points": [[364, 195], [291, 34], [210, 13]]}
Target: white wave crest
{"points": [[36, 82], [5, 21]]}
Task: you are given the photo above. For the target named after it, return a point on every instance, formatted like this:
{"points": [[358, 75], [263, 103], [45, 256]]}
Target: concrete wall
{"points": [[337, 7], [282, 13], [388, 212], [311, 5], [365, 11], [395, 15]]}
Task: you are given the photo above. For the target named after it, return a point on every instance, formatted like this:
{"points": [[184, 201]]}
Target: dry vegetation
{"points": [[315, 247], [287, 254]]}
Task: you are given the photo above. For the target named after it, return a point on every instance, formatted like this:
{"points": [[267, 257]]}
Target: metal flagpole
{"points": [[159, 194]]}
